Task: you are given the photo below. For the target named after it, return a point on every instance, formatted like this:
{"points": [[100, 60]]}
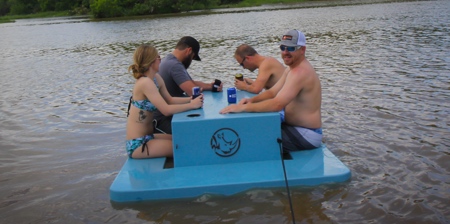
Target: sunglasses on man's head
{"points": [[290, 49]]}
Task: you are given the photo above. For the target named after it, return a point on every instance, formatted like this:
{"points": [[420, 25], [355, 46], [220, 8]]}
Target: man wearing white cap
{"points": [[297, 96]]}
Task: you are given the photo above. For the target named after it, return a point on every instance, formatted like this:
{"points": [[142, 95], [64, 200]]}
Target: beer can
{"points": [[239, 76], [195, 92], [231, 93]]}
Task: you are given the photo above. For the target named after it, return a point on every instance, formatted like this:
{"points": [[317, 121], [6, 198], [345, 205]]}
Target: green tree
{"points": [[4, 7], [62, 5], [20, 7], [223, 2], [106, 8], [47, 5]]}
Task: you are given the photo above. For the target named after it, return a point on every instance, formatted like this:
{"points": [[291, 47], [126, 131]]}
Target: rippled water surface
{"points": [[386, 103]]}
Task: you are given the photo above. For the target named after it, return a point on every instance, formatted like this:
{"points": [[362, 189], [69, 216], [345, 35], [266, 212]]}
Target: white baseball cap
{"points": [[293, 38]]}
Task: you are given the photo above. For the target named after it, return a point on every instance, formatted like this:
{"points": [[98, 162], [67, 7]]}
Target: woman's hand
{"points": [[197, 102]]}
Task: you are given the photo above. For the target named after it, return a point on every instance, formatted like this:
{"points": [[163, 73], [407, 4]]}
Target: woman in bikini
{"points": [[149, 94]]}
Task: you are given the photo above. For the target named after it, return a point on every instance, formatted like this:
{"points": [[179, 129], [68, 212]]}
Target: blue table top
{"points": [[214, 102]]}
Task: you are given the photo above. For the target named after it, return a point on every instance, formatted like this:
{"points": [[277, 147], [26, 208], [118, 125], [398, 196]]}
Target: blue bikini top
{"points": [[143, 104]]}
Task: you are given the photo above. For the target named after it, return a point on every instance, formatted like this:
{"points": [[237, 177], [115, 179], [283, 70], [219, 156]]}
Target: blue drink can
{"points": [[231, 93], [195, 92]]}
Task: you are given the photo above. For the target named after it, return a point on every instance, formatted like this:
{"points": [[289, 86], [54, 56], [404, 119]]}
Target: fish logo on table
{"points": [[225, 142]]}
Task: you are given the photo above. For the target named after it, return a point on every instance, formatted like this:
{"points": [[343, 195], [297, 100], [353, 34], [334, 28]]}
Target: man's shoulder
{"points": [[303, 70], [169, 60], [168, 65], [271, 62]]}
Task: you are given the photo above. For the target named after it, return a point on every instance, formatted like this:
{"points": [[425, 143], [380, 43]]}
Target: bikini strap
{"points": [[129, 105], [145, 146], [146, 139], [156, 83]]}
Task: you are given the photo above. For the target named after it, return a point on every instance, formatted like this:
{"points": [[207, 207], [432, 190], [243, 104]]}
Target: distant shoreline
{"points": [[219, 10]]}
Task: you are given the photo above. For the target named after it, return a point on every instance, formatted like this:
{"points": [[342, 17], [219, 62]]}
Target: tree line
{"points": [[108, 8]]}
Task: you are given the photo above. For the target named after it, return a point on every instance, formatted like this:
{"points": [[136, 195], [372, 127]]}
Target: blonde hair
{"points": [[143, 57]]}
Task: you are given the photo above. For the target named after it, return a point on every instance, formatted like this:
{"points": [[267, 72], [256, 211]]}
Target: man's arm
{"points": [[264, 73], [249, 80], [268, 105], [204, 86], [272, 100], [182, 78], [290, 88], [166, 95], [187, 87], [272, 92]]}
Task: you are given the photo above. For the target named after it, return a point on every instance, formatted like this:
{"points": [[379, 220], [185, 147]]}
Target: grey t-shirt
{"points": [[174, 74]]}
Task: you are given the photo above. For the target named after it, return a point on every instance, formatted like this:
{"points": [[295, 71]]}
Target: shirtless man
{"points": [[270, 69], [298, 97]]}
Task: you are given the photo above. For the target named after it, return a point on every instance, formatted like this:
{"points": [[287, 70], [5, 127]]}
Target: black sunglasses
{"points": [[290, 49], [242, 62]]}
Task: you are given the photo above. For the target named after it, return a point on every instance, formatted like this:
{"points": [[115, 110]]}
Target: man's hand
{"points": [[244, 101], [233, 108], [249, 81], [241, 85], [219, 89]]}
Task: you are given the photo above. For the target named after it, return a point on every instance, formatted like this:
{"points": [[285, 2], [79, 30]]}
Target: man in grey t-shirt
{"points": [[173, 69]]}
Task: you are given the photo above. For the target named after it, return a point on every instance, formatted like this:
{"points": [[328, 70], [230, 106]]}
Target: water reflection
{"points": [[258, 205]]}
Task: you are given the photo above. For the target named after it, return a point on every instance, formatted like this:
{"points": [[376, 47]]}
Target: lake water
{"points": [[385, 73]]}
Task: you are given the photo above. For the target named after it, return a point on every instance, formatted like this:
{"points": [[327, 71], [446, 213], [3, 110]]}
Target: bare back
{"points": [[139, 122]]}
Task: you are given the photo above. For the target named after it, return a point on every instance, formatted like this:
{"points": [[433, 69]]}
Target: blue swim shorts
{"points": [[300, 138]]}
